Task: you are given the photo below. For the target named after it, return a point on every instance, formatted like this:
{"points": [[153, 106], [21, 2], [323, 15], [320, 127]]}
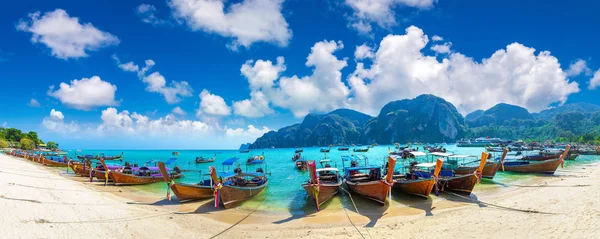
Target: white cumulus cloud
{"points": [[247, 22], [442, 48], [213, 104], [363, 52], [114, 121], [86, 93], [155, 82], [178, 111], [578, 67], [65, 35], [380, 12], [249, 134], [595, 81], [147, 13], [55, 123], [33, 103], [514, 75], [321, 91]]}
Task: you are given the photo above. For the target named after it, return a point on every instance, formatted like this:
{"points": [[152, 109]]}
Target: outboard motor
{"points": [[237, 170], [260, 170], [177, 169]]}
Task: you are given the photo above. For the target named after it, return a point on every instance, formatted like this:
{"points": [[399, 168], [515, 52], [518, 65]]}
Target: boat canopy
{"points": [[354, 157], [170, 161], [426, 165], [259, 161], [363, 168], [418, 153], [230, 161], [327, 169], [461, 156], [232, 174], [440, 154]]}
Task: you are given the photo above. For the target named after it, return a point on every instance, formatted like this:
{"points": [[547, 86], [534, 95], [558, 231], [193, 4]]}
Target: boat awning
{"points": [[225, 174], [440, 154], [418, 153], [363, 168], [349, 158], [461, 156], [426, 165], [327, 169], [170, 161], [230, 161]]}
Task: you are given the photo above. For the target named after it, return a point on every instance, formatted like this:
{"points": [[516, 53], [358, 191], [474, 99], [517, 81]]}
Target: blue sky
{"points": [[239, 68]]}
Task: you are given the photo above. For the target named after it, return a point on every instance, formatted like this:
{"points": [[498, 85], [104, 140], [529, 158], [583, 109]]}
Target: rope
{"points": [[244, 218], [355, 208], [109, 220], [58, 189], [499, 206]]}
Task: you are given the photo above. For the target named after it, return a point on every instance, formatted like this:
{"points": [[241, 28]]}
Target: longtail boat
{"points": [[106, 158], [489, 169], [323, 184], [87, 156], [325, 150], [343, 149], [417, 181], [301, 164], [55, 161], [186, 192], [202, 159], [527, 166], [541, 157], [256, 158], [467, 164], [299, 150], [101, 174], [572, 156], [235, 187], [463, 184], [361, 150], [139, 175], [367, 181], [81, 168]]}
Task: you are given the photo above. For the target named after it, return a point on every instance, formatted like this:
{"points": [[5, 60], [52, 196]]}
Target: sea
{"points": [[284, 192]]}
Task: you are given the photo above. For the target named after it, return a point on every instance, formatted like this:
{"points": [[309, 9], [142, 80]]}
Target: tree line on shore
{"points": [[15, 138]]}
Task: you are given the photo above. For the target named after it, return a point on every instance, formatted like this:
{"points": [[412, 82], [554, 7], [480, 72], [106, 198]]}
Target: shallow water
{"points": [[284, 192]]}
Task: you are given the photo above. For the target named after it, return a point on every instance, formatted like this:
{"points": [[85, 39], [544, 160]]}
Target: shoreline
{"points": [[527, 205]]}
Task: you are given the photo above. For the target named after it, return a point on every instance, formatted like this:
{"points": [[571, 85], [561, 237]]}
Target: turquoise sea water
{"points": [[284, 192]]}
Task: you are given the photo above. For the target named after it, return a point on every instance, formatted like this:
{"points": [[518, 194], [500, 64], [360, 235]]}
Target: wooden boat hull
{"points": [[462, 184], [130, 179], [101, 175], [489, 170], [326, 192], [418, 187], [232, 195], [190, 192], [374, 190], [52, 163], [572, 156], [79, 169], [542, 158], [547, 167]]}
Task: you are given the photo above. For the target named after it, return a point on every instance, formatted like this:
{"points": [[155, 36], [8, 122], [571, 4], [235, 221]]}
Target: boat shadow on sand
{"points": [[302, 206], [415, 202]]}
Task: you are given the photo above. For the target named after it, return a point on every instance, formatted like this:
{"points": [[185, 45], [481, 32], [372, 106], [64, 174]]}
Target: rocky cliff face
{"points": [[426, 118], [500, 114], [342, 126]]}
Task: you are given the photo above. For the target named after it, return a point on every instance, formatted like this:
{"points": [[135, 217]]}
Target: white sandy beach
{"points": [[41, 202]]}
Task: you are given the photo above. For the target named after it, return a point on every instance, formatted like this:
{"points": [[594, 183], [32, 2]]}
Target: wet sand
{"points": [[42, 202]]}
